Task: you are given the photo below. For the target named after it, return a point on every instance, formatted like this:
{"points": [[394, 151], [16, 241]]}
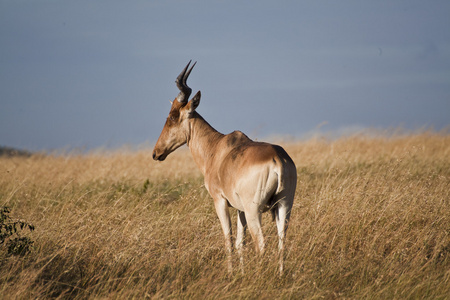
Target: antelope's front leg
{"points": [[223, 213]]}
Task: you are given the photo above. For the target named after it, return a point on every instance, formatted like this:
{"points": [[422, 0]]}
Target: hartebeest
{"points": [[252, 177]]}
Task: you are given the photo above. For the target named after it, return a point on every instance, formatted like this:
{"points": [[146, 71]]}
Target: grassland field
{"points": [[371, 220]]}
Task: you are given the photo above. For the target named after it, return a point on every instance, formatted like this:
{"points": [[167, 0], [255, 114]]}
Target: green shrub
{"points": [[10, 233]]}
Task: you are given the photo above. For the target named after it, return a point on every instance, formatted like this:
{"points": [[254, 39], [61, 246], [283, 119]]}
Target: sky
{"points": [[90, 74]]}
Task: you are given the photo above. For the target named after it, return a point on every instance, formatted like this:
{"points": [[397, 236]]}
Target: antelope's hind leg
{"points": [[253, 218], [240, 235], [282, 213]]}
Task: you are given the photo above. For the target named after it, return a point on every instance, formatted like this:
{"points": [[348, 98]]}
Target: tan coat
{"points": [[252, 177]]}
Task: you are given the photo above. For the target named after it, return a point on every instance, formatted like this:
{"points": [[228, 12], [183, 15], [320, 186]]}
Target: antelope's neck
{"points": [[203, 141]]}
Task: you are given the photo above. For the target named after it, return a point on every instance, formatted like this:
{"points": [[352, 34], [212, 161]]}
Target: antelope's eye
{"points": [[173, 116]]}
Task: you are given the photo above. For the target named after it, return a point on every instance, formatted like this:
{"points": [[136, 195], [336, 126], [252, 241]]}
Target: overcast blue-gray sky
{"points": [[101, 73]]}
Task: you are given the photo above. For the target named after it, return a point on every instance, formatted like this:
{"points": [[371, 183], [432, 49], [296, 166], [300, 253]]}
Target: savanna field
{"points": [[371, 220]]}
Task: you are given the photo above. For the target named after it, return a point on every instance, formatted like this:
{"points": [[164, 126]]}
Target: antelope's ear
{"points": [[195, 101]]}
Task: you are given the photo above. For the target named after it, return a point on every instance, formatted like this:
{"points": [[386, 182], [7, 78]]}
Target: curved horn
{"points": [[185, 90]]}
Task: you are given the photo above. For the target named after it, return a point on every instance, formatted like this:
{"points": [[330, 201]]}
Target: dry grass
{"points": [[371, 219]]}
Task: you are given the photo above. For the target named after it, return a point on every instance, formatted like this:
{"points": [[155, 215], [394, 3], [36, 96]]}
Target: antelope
{"points": [[253, 177]]}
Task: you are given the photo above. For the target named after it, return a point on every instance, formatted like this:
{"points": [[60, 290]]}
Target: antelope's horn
{"points": [[185, 90]]}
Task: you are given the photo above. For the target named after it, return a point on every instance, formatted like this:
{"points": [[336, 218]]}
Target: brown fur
{"points": [[251, 176]]}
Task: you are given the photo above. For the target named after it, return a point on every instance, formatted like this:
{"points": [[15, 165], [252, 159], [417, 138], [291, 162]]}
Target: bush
{"points": [[10, 236]]}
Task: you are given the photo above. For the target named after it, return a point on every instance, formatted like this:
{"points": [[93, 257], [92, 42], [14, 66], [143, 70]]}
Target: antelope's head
{"points": [[176, 129]]}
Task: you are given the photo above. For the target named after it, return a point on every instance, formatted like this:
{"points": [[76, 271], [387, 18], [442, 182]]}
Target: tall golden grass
{"points": [[371, 219]]}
